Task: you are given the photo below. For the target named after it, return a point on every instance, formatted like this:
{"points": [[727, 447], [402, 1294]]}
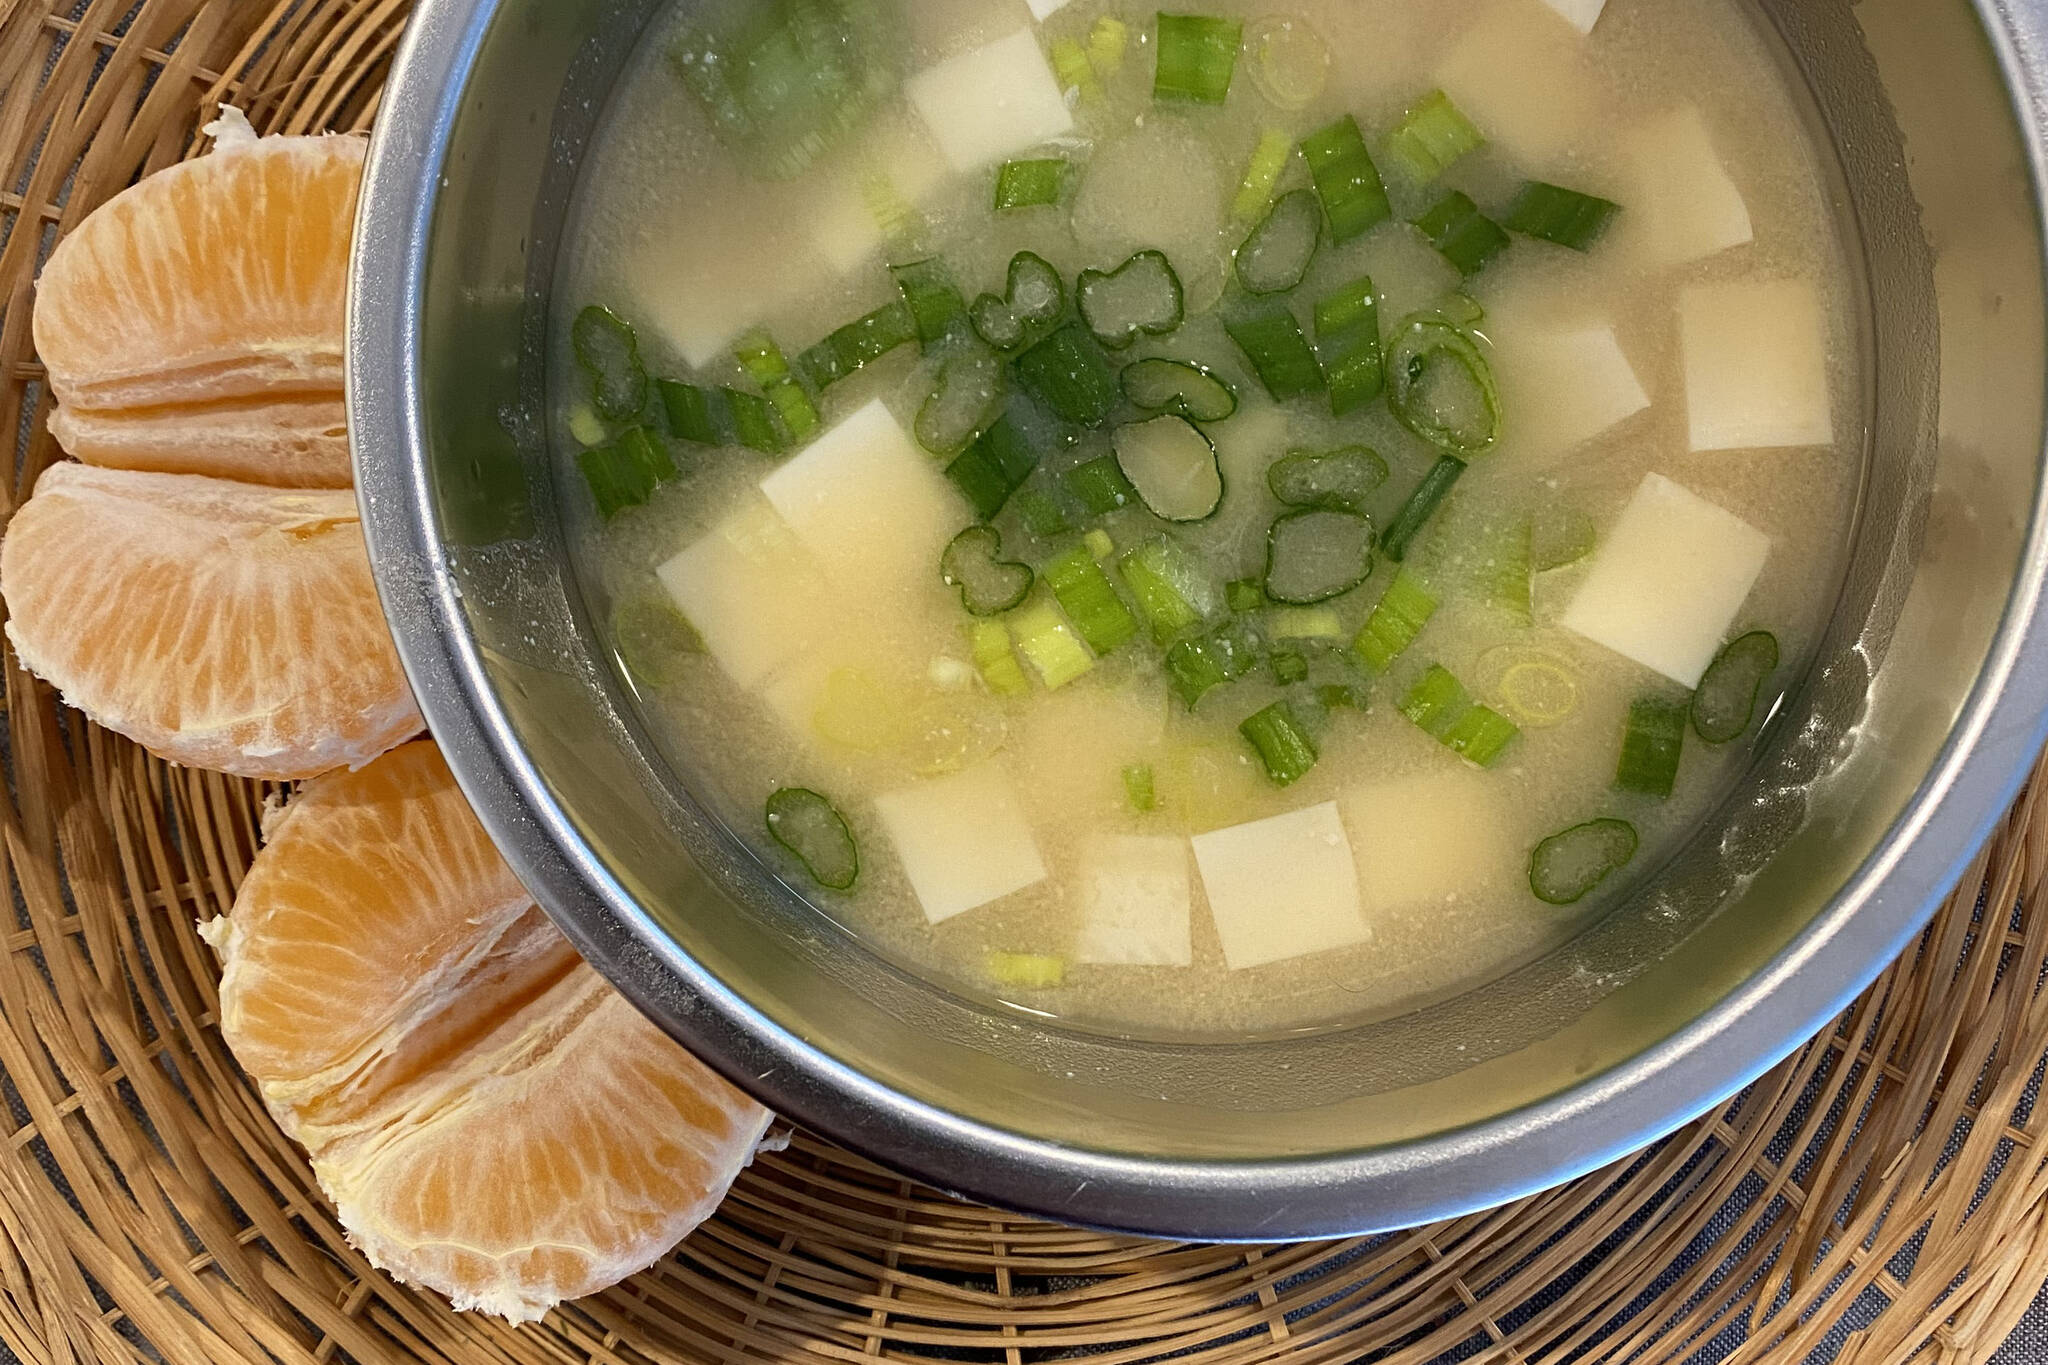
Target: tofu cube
{"points": [[751, 591], [1135, 893], [1580, 14], [1756, 365], [991, 102], [901, 162], [1668, 580], [963, 840], [1684, 207], [1042, 10], [1422, 841], [1282, 888], [1521, 77], [1565, 387], [872, 509]]}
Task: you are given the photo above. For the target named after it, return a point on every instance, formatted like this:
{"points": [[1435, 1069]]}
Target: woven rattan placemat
{"points": [[1881, 1192]]}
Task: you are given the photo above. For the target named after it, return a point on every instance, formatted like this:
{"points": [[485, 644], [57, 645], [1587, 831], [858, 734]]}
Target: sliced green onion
{"points": [[1315, 554], [1262, 174], [697, 415], [1395, 623], [1069, 374], [1467, 238], [1341, 696], [1441, 707], [990, 642], [1282, 744], [1026, 971], [1289, 665], [1140, 789], [609, 352], [625, 473], [1173, 467], [1305, 623], [1100, 544], [785, 81], [807, 825], [1651, 747], [1348, 343], [1174, 590], [1346, 180], [1030, 184], [1036, 295], [1725, 703], [1422, 504], [1075, 72], [1343, 479], [934, 300], [1560, 537], [1107, 42], [1442, 386], [1290, 61], [1503, 568], [1089, 599], [1276, 255], [753, 422], [765, 365], [652, 638], [858, 343], [1194, 667], [1565, 868], [1100, 485], [1481, 735], [994, 467], [1049, 644], [966, 398], [989, 584], [1244, 594], [1281, 356], [1141, 296], [1460, 310], [1196, 58], [586, 428], [1193, 391], [1042, 515], [1559, 215], [1431, 136]]}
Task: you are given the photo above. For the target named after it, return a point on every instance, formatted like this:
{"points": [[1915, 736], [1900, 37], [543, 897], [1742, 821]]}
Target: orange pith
{"points": [[218, 624], [489, 1117]]}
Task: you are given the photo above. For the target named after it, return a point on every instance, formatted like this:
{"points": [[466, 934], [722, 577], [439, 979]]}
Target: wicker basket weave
{"points": [[1883, 1191]]}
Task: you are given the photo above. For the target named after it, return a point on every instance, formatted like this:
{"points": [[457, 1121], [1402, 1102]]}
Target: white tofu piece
{"points": [[1756, 365], [1135, 894], [963, 840], [991, 102], [1042, 10], [1282, 888], [872, 509], [1684, 206], [750, 590], [730, 256], [1580, 14], [1564, 386], [903, 159], [1668, 579], [1521, 77], [1422, 841]]}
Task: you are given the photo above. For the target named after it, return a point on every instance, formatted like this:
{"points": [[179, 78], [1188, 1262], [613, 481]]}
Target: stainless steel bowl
{"points": [[1895, 756]]}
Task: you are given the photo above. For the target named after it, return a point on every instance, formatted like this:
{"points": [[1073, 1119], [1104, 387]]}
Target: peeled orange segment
{"points": [[292, 442], [217, 624], [209, 284], [490, 1118]]}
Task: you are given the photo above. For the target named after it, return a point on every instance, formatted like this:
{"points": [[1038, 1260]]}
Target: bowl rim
{"points": [[1871, 920]]}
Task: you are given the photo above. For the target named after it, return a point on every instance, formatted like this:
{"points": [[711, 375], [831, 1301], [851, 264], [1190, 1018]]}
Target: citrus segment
{"points": [[211, 283], [217, 624], [489, 1117], [298, 441]]}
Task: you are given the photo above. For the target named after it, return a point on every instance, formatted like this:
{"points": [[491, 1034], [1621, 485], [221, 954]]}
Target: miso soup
{"points": [[1208, 521]]}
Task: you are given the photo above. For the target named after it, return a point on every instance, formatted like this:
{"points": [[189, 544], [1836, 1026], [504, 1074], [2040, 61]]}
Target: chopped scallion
{"points": [[1069, 374], [1422, 504], [1565, 868], [1467, 238], [1107, 42], [609, 352], [809, 826], [1289, 665], [1178, 386], [1395, 623], [1049, 644], [966, 398], [1194, 667], [994, 467], [1276, 255], [1441, 707], [1431, 136], [1651, 747], [858, 343], [753, 422], [1282, 744], [934, 300], [1089, 599], [1262, 174], [1173, 467], [1140, 788], [765, 365], [1481, 735], [1042, 515], [1244, 594], [988, 584], [1342, 479], [1036, 294], [1027, 971], [1725, 703], [1070, 65], [1442, 386], [1142, 296], [1197, 56], [625, 473], [1173, 589], [1560, 537], [1100, 485], [1559, 215], [1348, 344], [990, 641], [1030, 184], [1100, 544], [652, 638], [1305, 623], [1271, 340], [1315, 554], [1346, 180]]}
